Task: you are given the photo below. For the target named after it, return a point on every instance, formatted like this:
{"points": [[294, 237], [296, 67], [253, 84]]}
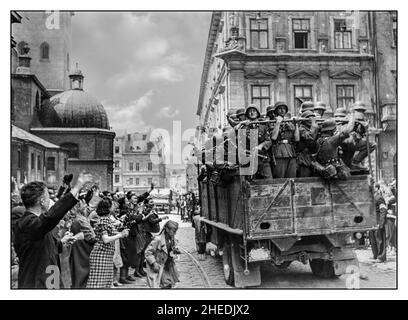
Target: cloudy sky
{"points": [[145, 67]]}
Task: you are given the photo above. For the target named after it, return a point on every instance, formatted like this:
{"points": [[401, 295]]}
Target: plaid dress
{"points": [[101, 258]]}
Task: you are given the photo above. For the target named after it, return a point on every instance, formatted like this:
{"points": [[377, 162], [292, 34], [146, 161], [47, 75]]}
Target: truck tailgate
{"points": [[307, 206]]}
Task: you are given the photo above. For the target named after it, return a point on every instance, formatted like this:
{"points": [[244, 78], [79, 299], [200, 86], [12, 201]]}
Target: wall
{"points": [[33, 30]]}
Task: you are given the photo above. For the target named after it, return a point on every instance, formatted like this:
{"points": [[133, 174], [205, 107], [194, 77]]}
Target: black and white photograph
{"points": [[228, 150]]}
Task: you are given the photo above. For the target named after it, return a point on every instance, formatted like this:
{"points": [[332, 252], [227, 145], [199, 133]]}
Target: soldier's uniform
{"points": [[378, 237], [264, 168], [306, 146], [328, 153], [283, 149], [357, 142]]}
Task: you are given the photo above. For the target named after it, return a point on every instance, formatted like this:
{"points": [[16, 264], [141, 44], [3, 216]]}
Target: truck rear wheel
{"points": [[227, 264], [322, 268]]}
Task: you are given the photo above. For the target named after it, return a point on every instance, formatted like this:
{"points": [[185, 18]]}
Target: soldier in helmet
{"points": [[307, 145], [319, 109], [239, 116], [264, 143], [354, 148], [270, 115], [284, 137], [328, 148], [306, 106]]}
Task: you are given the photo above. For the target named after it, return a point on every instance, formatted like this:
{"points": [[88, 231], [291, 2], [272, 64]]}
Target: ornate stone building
{"points": [[269, 56]]}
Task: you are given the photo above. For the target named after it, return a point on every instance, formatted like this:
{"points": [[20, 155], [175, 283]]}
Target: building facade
{"points": [[265, 57], [138, 162], [48, 34], [177, 179]]}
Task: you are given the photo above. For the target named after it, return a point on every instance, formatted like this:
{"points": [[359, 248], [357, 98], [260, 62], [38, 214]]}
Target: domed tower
{"points": [[78, 122]]}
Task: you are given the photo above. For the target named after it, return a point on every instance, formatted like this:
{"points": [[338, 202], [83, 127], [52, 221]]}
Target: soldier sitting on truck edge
{"points": [[307, 145], [284, 136], [264, 143], [328, 153]]}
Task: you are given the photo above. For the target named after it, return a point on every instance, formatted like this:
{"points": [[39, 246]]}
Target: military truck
{"points": [[311, 220]]}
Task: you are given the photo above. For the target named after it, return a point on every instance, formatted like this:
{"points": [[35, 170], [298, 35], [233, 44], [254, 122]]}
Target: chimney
{"points": [[24, 61]]}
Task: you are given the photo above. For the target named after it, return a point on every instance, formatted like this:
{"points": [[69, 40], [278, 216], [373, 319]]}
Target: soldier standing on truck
{"points": [[319, 109], [328, 153], [307, 145], [264, 143], [284, 136]]}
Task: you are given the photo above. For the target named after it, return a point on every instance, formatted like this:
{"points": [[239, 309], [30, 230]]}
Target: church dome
{"points": [[74, 108]]}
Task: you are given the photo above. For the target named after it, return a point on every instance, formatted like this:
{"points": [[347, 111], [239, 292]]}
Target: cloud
{"points": [[129, 116], [168, 112]]}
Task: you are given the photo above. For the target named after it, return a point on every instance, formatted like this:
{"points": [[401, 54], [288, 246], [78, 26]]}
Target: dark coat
{"points": [[36, 244]]}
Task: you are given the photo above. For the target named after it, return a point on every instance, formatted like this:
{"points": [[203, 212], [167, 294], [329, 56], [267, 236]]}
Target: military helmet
{"points": [[306, 106], [359, 106], [307, 114], [328, 125], [341, 115], [240, 112], [320, 106], [269, 109], [252, 106], [280, 104]]}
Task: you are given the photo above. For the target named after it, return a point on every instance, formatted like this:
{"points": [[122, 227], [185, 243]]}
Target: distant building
{"points": [[191, 177], [337, 57], [49, 35], [177, 178], [138, 162]]}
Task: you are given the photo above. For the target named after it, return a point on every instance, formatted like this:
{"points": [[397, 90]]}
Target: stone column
{"points": [[281, 93], [324, 94], [236, 85], [366, 86]]}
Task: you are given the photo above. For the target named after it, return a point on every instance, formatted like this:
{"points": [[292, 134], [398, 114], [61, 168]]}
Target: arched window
{"points": [[73, 150], [45, 51], [20, 47]]}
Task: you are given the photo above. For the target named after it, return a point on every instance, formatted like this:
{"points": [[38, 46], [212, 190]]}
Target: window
{"points": [[144, 137], [128, 136], [260, 96], [149, 181], [73, 149], [130, 166], [394, 32], [149, 166], [117, 164], [137, 166], [301, 31], [116, 178], [65, 164], [304, 93], [67, 61], [342, 34], [32, 161], [51, 163], [137, 181], [39, 163], [259, 33], [130, 182], [345, 96], [45, 51], [116, 149]]}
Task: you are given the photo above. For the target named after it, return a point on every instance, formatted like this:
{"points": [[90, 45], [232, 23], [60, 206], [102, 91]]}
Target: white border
{"points": [[6, 293]]}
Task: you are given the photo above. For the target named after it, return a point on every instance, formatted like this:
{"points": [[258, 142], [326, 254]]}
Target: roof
{"points": [[212, 34], [74, 109], [19, 133]]}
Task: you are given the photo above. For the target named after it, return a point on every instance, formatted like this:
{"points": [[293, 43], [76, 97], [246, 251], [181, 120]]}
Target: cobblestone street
{"points": [[380, 275]]}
